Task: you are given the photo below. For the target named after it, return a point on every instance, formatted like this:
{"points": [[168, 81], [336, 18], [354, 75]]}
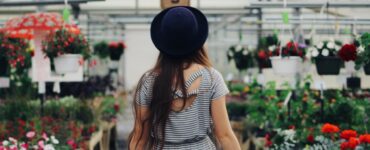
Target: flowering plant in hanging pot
{"points": [[242, 57], [266, 46], [13, 54], [363, 55], [101, 49], [348, 53], [116, 49], [288, 60], [66, 50], [325, 57]]}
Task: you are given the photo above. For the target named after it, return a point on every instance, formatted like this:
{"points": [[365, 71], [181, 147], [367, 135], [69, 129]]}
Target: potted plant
{"points": [[363, 57], [288, 60], [266, 46], [116, 50], [66, 50], [101, 49], [242, 57], [348, 53], [325, 57]]}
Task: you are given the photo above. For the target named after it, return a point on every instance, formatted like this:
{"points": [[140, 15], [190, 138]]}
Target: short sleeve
{"points": [[218, 88], [143, 95]]}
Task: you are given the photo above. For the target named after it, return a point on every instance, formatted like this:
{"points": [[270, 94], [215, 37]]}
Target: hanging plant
{"points": [[242, 57], [363, 56], [63, 42], [325, 49], [101, 49], [66, 50], [266, 46], [291, 49], [116, 49]]}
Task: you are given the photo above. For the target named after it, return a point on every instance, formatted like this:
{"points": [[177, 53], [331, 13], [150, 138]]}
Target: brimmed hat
{"points": [[179, 31]]}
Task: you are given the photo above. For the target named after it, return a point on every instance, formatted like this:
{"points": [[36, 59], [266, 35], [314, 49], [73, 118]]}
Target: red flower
{"points": [[268, 141], [365, 138], [348, 52], [353, 142], [310, 138], [344, 146], [329, 128], [346, 134], [262, 54], [116, 107]]}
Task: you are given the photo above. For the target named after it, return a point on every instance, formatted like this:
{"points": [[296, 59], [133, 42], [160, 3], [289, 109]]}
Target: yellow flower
{"points": [[246, 89]]}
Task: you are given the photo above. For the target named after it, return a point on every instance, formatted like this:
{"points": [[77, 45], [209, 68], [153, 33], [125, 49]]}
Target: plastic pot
{"points": [[367, 69], [354, 82], [4, 67], [328, 65], [286, 65], [67, 63]]}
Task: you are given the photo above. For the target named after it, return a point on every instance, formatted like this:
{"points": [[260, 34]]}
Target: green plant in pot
{"points": [[363, 57], [66, 50], [101, 49], [242, 57], [325, 57], [288, 59]]}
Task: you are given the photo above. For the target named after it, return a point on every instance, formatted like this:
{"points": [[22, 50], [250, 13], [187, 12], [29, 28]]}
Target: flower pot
{"points": [[367, 69], [286, 65], [350, 66], [4, 67], [328, 65], [354, 82], [67, 63]]}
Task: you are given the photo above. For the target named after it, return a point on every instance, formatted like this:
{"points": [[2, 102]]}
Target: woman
{"points": [[165, 118]]}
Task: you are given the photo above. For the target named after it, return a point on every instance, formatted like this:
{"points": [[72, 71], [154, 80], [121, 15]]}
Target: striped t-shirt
{"points": [[194, 121]]}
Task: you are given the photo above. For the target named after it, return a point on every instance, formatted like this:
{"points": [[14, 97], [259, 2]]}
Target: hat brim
{"points": [[196, 44]]}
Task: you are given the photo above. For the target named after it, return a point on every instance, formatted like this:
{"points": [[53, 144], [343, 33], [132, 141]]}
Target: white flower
{"points": [[49, 147], [54, 140], [320, 45], [238, 48], [5, 143], [18, 83], [325, 52], [337, 47], [245, 52], [14, 141], [330, 45], [272, 48], [314, 52], [361, 49]]}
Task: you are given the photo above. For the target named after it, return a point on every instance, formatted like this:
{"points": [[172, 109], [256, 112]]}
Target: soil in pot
{"points": [[367, 69], [4, 67], [328, 65]]}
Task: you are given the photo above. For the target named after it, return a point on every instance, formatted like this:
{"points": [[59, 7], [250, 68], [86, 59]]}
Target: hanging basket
{"points": [[367, 69], [328, 65], [286, 65], [67, 63], [354, 82], [4, 67]]}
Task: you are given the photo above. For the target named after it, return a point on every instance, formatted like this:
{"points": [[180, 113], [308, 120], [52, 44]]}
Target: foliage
{"points": [[363, 57], [242, 57], [65, 42], [101, 49]]}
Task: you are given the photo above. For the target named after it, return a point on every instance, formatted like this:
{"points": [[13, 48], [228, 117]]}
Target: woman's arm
{"points": [[223, 130], [141, 131]]}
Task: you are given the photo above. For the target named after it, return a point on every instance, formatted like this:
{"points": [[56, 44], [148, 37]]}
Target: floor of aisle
{"points": [[125, 124]]}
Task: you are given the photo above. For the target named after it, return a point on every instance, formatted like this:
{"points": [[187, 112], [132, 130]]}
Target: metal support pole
{"points": [[259, 25]]}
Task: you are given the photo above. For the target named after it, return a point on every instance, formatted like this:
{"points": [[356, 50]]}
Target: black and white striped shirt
{"points": [[195, 120]]}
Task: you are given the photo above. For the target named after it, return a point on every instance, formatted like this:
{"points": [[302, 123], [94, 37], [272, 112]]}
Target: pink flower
{"points": [[24, 145], [45, 136], [41, 144], [72, 144], [31, 134]]}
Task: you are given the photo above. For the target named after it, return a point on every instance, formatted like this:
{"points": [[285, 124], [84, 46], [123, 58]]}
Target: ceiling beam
{"points": [[42, 3]]}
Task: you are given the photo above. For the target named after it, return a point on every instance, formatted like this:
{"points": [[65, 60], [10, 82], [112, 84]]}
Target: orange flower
{"points": [[329, 128], [346, 134], [365, 138]]}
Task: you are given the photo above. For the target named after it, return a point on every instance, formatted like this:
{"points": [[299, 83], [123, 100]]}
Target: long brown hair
{"points": [[170, 76]]}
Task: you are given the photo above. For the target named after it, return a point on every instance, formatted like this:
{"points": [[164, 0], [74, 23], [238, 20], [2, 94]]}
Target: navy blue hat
{"points": [[179, 31]]}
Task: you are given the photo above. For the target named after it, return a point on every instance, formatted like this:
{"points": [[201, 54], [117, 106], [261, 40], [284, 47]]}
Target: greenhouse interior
{"points": [[110, 74]]}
